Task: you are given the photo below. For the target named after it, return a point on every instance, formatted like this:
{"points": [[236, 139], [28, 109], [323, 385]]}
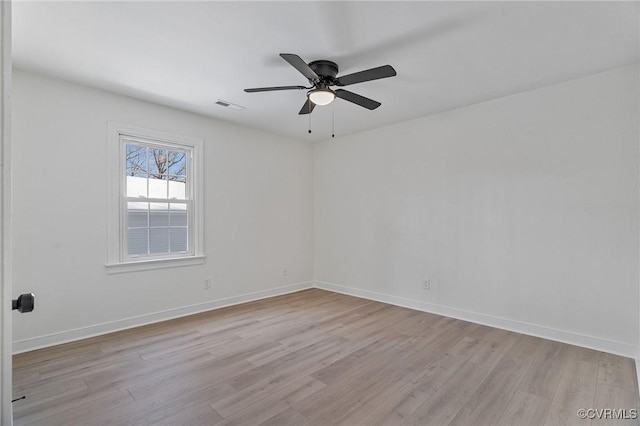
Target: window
{"points": [[156, 210]]}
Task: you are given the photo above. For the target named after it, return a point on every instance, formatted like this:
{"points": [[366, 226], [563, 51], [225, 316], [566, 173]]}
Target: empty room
{"points": [[320, 213]]}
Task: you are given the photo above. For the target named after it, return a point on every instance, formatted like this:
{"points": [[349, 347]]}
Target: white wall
{"points": [[522, 211], [258, 212]]}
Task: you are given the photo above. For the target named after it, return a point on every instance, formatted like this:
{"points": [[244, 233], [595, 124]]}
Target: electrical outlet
{"points": [[427, 284], [207, 283]]}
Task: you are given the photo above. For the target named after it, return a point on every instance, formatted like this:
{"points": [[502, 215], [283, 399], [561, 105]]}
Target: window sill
{"points": [[150, 264]]}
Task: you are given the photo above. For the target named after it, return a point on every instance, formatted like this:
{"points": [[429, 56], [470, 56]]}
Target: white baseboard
{"points": [[604, 345], [109, 327]]}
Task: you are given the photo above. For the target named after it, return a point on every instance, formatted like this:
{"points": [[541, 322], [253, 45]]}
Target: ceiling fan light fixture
{"points": [[321, 96]]}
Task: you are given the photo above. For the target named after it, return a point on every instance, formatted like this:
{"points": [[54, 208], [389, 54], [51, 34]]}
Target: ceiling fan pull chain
{"points": [[309, 123], [333, 121]]}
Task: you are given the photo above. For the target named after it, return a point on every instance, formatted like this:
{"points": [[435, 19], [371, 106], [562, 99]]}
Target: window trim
{"points": [[117, 261]]}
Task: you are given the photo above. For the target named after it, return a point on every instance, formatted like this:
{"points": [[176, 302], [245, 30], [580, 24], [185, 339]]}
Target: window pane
{"points": [[177, 163], [158, 214], [137, 215], [136, 157], [136, 186], [137, 241], [178, 214], [178, 239], [158, 240], [157, 188], [178, 187], [158, 163]]}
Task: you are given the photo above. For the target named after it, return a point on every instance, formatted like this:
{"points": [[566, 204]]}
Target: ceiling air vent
{"points": [[229, 105]]}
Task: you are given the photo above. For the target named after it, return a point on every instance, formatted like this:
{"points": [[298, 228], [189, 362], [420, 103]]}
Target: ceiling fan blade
{"points": [[271, 89], [357, 99], [366, 75], [297, 62], [307, 107]]}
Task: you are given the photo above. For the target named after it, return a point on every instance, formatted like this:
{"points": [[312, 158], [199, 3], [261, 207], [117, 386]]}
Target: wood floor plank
{"points": [[121, 374], [443, 405], [576, 390], [525, 409], [488, 402], [288, 417], [79, 366], [420, 378], [415, 323], [525, 346], [255, 414], [356, 360], [409, 367], [56, 353], [496, 343], [620, 401], [53, 392], [293, 390], [303, 361], [445, 366], [392, 406], [189, 381], [168, 408], [201, 414], [83, 411], [547, 361], [356, 389], [614, 371], [317, 358]]}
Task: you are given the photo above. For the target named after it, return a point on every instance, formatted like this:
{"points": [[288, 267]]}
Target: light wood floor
{"points": [[318, 358]]}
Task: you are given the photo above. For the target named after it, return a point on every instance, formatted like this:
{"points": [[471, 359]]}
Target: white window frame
{"points": [[117, 258]]}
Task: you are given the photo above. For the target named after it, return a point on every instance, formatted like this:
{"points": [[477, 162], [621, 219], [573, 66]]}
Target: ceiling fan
{"points": [[322, 75]]}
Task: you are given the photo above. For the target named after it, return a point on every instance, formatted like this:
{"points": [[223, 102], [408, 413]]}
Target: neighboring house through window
{"points": [[157, 207]]}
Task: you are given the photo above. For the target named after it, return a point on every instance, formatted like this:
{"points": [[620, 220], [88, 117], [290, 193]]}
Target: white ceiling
{"points": [[447, 54]]}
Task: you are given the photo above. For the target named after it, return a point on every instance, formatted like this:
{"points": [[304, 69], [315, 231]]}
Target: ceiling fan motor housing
{"points": [[326, 70]]}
